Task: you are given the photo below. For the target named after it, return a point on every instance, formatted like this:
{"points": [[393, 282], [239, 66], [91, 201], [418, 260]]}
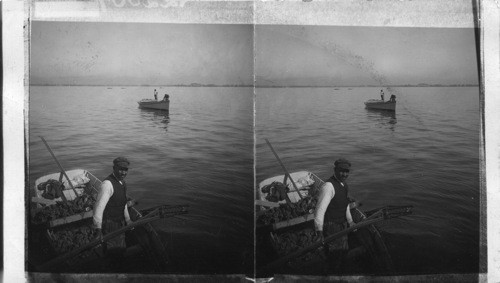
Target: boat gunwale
{"points": [[379, 102], [151, 101]]}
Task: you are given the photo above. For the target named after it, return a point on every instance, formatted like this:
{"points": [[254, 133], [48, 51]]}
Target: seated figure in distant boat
{"points": [[382, 95], [156, 95], [166, 97], [393, 98], [332, 213]]}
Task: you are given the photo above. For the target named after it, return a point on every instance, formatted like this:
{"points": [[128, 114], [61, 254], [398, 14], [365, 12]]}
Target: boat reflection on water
{"points": [[383, 117], [160, 118]]}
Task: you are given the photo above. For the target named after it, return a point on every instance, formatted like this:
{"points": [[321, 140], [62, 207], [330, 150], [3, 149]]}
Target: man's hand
{"points": [[130, 222], [318, 237], [352, 224], [99, 236]]}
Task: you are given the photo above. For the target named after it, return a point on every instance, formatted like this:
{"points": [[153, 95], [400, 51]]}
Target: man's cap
{"points": [[342, 163], [121, 162]]}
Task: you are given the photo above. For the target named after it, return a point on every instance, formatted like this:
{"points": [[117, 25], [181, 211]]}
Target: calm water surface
{"points": [[425, 155], [201, 154]]}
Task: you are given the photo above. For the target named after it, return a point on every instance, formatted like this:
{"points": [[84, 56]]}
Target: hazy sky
{"points": [[79, 53], [325, 55]]}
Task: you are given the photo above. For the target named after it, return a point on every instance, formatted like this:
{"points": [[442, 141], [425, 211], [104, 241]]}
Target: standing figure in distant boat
{"points": [[156, 95], [165, 98], [332, 213], [111, 212], [382, 94], [393, 98]]}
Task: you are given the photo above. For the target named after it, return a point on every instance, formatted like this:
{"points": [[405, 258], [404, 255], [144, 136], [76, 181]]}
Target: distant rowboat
{"points": [[381, 104], [154, 104]]}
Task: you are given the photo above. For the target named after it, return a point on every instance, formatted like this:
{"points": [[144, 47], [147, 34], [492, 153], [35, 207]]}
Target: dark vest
{"points": [[116, 204], [336, 209]]}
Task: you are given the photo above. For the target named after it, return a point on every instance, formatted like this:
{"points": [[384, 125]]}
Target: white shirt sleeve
{"points": [[326, 194], [105, 192], [348, 216], [127, 216]]}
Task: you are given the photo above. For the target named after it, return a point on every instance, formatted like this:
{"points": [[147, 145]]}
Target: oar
{"points": [[162, 213], [60, 166], [284, 168], [383, 214], [163, 208], [96, 242], [316, 245], [144, 243]]}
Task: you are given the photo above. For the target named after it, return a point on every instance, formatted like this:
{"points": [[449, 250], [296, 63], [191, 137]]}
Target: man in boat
{"points": [[332, 213], [110, 209], [165, 98], [393, 98], [156, 95], [382, 94]]}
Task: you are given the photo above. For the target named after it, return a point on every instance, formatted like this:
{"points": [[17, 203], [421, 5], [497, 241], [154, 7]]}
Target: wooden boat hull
{"points": [[153, 104], [44, 244], [270, 245], [380, 105]]}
